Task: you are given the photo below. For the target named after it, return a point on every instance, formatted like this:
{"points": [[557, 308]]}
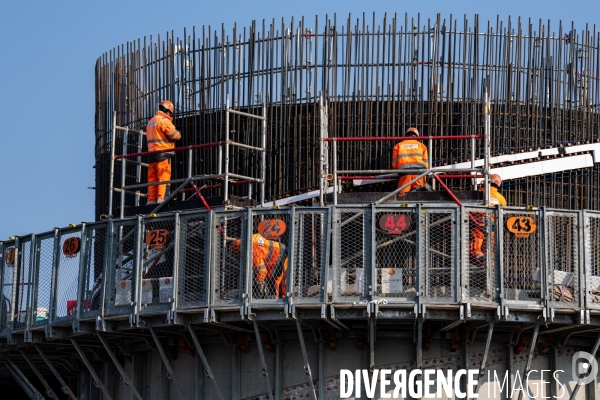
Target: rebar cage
{"points": [[345, 255], [378, 76]]}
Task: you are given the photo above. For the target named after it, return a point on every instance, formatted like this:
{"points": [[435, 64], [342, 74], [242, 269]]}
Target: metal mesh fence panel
{"points": [[562, 258], [592, 258], [158, 250], [310, 241], [229, 242], [350, 257], [67, 277], [23, 283], [269, 255], [194, 260], [8, 275], [396, 254], [45, 245], [521, 255], [439, 254], [480, 270], [121, 267], [95, 275]]}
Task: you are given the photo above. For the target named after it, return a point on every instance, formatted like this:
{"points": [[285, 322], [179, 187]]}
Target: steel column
{"points": [[49, 390], [97, 380], [125, 379], [265, 371], [163, 356], [205, 362], [306, 364]]}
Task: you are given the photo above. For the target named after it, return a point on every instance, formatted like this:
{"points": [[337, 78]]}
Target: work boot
{"points": [[158, 201], [150, 202]]}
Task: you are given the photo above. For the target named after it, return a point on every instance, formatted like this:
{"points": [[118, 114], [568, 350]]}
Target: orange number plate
{"points": [[71, 246], [157, 239], [521, 227], [394, 224], [271, 228]]}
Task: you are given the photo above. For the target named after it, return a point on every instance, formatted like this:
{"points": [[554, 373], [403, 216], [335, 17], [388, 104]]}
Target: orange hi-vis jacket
{"points": [[161, 133], [410, 154], [496, 197], [269, 258]]}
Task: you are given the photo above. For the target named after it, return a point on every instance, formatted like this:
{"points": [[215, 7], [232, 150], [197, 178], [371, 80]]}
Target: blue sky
{"points": [[48, 50]]}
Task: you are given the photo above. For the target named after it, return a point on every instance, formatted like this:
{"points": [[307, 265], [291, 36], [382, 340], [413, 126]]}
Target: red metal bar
{"points": [[456, 176], [349, 178], [456, 200], [378, 138], [202, 199], [176, 149]]}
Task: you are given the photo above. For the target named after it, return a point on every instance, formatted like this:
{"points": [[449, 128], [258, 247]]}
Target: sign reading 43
{"points": [[521, 226]]}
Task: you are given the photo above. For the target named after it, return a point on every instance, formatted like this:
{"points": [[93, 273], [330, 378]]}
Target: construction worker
{"points": [[410, 154], [477, 232], [270, 264], [161, 135]]}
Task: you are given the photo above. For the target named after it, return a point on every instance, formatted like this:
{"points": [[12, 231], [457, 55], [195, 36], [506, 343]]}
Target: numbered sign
{"points": [[394, 224], [271, 228], [71, 247], [10, 257], [157, 239], [521, 227]]}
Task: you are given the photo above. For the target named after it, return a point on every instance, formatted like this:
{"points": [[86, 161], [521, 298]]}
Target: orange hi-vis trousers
{"points": [[407, 178], [158, 172]]}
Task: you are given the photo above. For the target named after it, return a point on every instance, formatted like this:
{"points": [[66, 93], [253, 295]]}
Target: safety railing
{"points": [[399, 255], [223, 165]]}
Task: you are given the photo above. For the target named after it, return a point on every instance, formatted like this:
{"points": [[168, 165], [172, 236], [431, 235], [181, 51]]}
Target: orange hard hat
{"points": [[496, 180], [167, 105], [412, 131]]}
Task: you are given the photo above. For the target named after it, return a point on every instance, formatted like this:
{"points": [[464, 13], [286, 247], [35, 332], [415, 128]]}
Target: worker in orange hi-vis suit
{"points": [[410, 154], [161, 135], [477, 233], [270, 264]]}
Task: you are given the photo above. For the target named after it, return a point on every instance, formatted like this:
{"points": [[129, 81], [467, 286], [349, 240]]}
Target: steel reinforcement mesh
{"points": [[480, 272], [438, 250], [45, 245], [122, 266], [350, 255], [378, 78], [8, 276], [230, 257], [522, 257], [194, 257], [562, 258], [24, 284], [310, 235], [67, 278], [396, 254], [592, 262], [158, 250], [95, 275]]}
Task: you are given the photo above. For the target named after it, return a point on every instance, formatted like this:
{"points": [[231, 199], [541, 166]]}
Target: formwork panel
{"points": [[8, 284], [23, 283], [592, 258], [480, 272], [562, 258], [158, 238], [94, 273], [269, 255], [122, 262], [45, 248], [522, 256], [194, 251], [230, 257], [311, 256], [67, 277], [438, 255], [351, 262], [396, 257]]}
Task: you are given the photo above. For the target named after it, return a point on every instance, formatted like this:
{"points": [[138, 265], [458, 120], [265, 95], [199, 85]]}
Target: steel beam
{"points": [[97, 380], [305, 356], [49, 390], [124, 378], [27, 387], [265, 371], [529, 357], [207, 368], [163, 356], [64, 387], [485, 354]]}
